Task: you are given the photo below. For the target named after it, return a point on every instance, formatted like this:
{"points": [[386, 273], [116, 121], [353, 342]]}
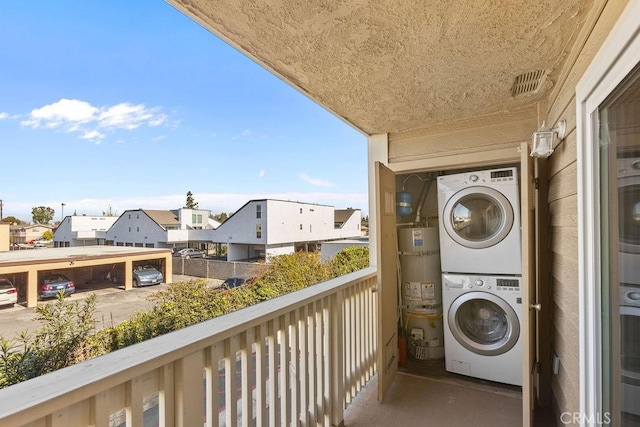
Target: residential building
{"points": [[27, 233], [82, 230], [4, 237], [438, 88], [161, 228], [264, 228]]}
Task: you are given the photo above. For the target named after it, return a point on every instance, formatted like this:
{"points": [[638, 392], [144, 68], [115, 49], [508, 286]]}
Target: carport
{"points": [[87, 264]]}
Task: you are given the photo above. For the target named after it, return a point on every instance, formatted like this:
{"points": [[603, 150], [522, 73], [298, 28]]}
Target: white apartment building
{"points": [[82, 230], [161, 228], [264, 228]]}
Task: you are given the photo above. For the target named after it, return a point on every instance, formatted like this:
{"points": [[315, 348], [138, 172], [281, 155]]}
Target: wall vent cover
{"points": [[528, 83]]}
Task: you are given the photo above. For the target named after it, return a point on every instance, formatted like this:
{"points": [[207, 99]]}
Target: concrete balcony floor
{"points": [[428, 396]]}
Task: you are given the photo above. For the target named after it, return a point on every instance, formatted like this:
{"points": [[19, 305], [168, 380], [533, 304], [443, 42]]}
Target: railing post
{"points": [[336, 362], [189, 372]]}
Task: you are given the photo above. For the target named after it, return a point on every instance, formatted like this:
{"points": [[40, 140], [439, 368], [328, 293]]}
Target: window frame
{"points": [[617, 57]]}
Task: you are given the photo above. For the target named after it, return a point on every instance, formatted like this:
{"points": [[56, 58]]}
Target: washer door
{"points": [[630, 346], [629, 214], [478, 217], [484, 323]]}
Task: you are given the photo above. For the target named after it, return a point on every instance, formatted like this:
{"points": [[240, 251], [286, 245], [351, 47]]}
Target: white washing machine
{"points": [[629, 220], [630, 348], [480, 222], [482, 328]]}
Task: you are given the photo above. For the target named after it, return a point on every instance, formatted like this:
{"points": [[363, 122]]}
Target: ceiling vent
{"points": [[528, 83]]}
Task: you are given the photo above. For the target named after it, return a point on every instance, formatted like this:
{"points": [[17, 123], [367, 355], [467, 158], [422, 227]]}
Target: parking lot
{"points": [[114, 305]]}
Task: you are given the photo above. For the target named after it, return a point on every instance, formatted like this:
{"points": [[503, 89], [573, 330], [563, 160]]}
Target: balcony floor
{"points": [[417, 400]]}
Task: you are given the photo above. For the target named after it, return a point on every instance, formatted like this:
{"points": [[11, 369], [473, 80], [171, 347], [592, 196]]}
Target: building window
{"points": [[138, 229], [310, 229], [196, 218], [300, 210], [300, 226], [129, 229], [259, 231], [258, 211]]}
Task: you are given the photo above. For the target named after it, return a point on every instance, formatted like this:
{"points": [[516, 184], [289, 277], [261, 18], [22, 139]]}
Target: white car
{"points": [[8, 293]]}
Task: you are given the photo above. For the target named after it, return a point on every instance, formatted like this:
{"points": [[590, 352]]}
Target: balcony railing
{"points": [[295, 360]]}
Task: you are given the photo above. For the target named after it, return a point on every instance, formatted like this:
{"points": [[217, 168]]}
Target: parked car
{"points": [[191, 253], [145, 275], [53, 283], [8, 293], [175, 251], [237, 281]]}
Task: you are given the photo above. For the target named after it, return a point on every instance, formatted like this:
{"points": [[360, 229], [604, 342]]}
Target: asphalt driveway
{"points": [[114, 305]]}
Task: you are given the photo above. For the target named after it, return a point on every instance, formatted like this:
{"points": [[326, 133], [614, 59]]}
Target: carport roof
{"points": [[75, 253]]}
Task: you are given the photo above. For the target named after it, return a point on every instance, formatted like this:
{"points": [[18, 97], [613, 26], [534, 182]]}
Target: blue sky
{"points": [[124, 105]]}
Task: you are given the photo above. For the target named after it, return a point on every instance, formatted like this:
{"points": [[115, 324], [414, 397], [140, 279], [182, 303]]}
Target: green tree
{"points": [[42, 214], [221, 217], [11, 220], [191, 203]]}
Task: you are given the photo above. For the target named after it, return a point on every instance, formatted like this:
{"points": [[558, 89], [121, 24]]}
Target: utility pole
{"points": [[62, 213], [1, 210]]}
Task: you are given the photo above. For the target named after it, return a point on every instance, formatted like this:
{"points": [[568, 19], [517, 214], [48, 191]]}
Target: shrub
{"points": [[61, 341], [349, 260]]}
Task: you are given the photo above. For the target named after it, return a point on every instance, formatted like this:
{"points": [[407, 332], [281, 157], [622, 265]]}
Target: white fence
{"points": [[295, 360]]}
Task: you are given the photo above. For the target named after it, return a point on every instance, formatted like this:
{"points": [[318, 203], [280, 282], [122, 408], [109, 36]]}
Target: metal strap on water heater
{"points": [[413, 253]]}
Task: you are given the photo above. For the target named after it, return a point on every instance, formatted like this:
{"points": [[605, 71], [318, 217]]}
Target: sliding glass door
{"points": [[619, 154]]}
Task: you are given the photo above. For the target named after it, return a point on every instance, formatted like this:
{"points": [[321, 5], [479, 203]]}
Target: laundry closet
{"points": [[460, 273]]}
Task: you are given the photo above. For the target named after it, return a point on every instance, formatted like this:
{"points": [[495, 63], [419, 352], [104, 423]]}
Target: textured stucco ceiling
{"points": [[394, 66]]}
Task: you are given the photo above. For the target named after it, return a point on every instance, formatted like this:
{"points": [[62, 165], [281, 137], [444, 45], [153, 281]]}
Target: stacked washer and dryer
{"points": [[629, 271], [479, 224]]}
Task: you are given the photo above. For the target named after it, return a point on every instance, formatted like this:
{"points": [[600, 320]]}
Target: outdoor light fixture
{"points": [[542, 140]]}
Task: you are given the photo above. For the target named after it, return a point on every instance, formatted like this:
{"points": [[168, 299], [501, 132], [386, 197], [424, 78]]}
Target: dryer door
{"points": [[478, 217], [484, 323], [629, 213]]}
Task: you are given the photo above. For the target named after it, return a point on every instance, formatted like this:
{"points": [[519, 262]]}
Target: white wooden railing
{"points": [[317, 348]]}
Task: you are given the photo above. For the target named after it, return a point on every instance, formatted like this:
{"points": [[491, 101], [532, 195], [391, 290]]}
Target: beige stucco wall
{"points": [[4, 237], [563, 202]]}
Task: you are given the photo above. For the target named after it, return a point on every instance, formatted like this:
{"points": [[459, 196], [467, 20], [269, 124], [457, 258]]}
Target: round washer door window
{"points": [[478, 217], [629, 214], [630, 346], [484, 323]]}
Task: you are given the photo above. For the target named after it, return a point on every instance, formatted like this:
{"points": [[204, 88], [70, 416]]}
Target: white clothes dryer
{"points": [[630, 348], [483, 326], [629, 220], [480, 222]]}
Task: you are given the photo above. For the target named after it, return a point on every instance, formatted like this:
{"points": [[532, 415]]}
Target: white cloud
{"points": [[158, 138], [262, 173], [242, 134], [94, 136], [314, 181], [72, 115], [66, 111], [4, 116]]}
